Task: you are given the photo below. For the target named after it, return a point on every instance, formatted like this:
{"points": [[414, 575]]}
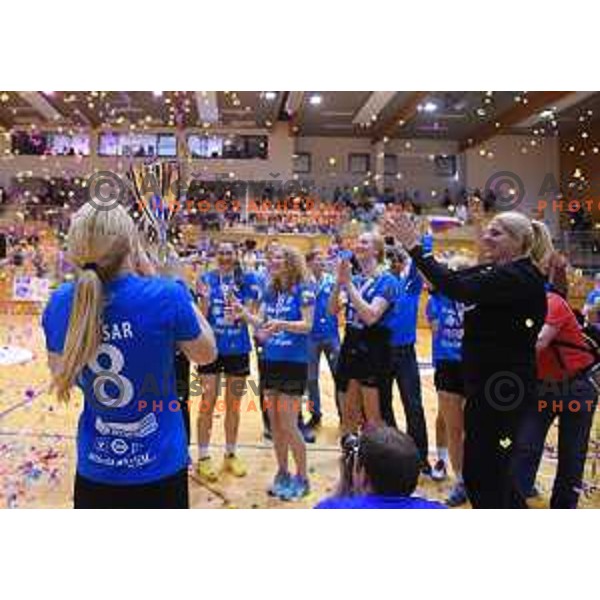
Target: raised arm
{"points": [[476, 285]]}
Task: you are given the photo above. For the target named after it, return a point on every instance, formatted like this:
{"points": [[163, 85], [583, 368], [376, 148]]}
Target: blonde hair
{"points": [[378, 242], [519, 227], [543, 247], [99, 241], [295, 271]]}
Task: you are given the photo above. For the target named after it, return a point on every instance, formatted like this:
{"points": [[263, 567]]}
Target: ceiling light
{"points": [[157, 94], [270, 95], [428, 107], [315, 99]]}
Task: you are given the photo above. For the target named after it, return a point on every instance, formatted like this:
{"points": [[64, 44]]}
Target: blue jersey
{"points": [[382, 285], [406, 310], [448, 316], [132, 433], [232, 336], [374, 501], [286, 346], [325, 325]]}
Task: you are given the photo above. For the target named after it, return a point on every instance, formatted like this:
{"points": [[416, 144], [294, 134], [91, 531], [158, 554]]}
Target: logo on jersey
{"points": [[119, 446]]}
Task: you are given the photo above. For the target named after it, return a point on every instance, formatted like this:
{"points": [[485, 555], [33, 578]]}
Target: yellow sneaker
{"points": [[234, 465], [206, 471]]}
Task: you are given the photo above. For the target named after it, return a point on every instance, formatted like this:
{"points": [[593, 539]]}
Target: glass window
{"points": [[390, 164], [228, 146], [302, 162], [358, 163], [50, 144], [137, 144]]}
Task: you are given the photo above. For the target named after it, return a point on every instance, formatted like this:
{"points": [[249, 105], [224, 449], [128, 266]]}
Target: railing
{"points": [[582, 249]]}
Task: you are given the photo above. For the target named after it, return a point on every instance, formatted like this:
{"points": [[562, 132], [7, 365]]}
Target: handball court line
{"points": [[28, 400]]}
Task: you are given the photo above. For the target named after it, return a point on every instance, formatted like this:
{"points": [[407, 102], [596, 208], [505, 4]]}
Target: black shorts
{"points": [[285, 377], [170, 492], [366, 356], [449, 377], [234, 364]]}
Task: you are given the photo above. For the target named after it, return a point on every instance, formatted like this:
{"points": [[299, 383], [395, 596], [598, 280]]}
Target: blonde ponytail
{"points": [[542, 247], [83, 335], [99, 243]]}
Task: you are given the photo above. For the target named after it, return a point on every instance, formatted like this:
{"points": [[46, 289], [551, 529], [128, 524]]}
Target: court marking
{"points": [[25, 401]]}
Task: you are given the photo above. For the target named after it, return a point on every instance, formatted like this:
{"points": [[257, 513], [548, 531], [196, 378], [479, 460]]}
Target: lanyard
{"points": [[280, 303]]}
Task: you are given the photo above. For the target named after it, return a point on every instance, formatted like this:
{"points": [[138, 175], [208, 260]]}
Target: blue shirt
{"points": [[374, 501], [406, 310], [232, 336], [325, 325], [286, 346], [383, 285], [134, 434], [593, 297], [448, 316]]}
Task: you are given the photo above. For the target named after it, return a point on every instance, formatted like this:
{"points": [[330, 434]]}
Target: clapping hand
{"points": [[403, 229], [272, 327], [344, 272]]}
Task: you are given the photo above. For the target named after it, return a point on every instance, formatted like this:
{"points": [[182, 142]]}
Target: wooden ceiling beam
{"points": [[404, 113], [536, 102], [294, 106]]}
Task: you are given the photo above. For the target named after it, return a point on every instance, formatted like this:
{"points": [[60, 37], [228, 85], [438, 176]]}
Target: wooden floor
{"points": [[37, 441]]}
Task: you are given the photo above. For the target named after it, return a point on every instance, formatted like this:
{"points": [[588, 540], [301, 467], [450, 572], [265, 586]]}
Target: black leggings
{"points": [[490, 437], [170, 492]]}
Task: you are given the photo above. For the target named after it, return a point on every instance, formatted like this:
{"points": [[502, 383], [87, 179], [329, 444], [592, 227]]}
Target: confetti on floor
{"points": [[37, 445]]}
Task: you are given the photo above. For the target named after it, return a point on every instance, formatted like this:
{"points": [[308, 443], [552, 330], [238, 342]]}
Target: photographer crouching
{"points": [[379, 469]]}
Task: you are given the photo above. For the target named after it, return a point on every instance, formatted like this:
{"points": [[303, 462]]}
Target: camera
{"points": [[350, 444]]}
